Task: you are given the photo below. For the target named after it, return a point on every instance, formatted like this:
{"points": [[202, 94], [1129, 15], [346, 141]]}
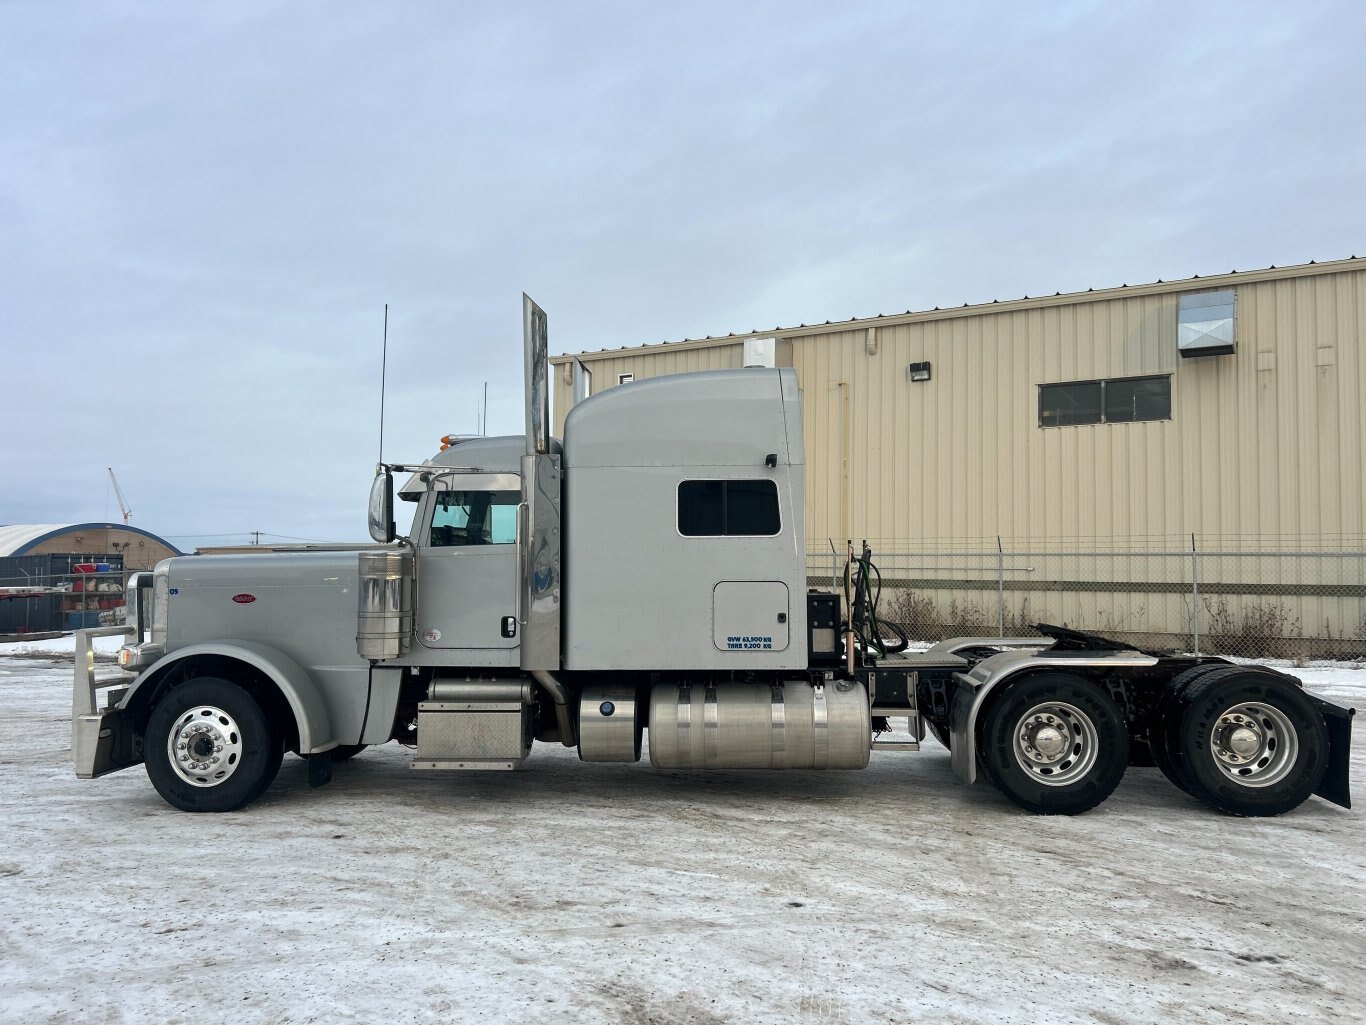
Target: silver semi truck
{"points": [[647, 573]]}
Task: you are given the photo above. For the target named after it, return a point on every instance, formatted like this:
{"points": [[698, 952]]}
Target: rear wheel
{"points": [[1055, 744], [1251, 744], [208, 746], [1164, 736]]}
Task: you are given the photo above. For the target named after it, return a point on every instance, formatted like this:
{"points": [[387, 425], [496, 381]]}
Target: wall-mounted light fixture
{"points": [[919, 371]]}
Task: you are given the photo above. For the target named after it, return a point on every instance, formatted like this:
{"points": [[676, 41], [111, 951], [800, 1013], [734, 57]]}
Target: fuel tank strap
{"points": [[778, 714], [820, 723], [684, 718], [711, 730]]}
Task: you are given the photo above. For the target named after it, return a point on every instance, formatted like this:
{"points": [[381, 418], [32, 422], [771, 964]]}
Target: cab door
{"points": [[467, 574]]}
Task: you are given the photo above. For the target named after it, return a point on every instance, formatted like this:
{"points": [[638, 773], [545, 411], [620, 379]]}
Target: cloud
{"points": [[205, 210]]}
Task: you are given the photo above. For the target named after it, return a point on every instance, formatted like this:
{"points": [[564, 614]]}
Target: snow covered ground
{"points": [[601, 893]]}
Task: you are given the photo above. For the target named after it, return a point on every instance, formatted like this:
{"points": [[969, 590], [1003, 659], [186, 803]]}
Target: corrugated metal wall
{"points": [[1264, 452], [1265, 443], [652, 363]]}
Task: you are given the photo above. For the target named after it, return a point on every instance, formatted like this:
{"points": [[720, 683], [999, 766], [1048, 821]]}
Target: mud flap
{"points": [[1336, 785], [320, 769], [963, 749]]}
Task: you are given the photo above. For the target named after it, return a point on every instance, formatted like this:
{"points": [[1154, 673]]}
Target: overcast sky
{"points": [[204, 208]]}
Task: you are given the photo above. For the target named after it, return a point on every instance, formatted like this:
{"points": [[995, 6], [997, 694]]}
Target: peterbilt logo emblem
{"points": [[244, 599]]}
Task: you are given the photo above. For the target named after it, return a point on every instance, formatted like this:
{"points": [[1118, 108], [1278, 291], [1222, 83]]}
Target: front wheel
{"points": [[208, 746], [1055, 744], [1252, 744]]}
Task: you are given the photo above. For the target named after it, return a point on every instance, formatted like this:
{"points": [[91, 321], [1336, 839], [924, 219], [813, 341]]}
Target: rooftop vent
{"points": [[1205, 323], [761, 352]]}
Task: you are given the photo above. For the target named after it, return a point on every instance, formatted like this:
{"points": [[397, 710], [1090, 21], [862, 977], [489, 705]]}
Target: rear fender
{"points": [[991, 676], [311, 716]]}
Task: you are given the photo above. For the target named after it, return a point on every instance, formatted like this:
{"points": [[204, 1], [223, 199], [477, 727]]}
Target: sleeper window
{"points": [[728, 508]]}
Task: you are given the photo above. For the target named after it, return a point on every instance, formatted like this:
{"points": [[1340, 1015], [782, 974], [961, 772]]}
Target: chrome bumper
{"points": [[101, 741]]}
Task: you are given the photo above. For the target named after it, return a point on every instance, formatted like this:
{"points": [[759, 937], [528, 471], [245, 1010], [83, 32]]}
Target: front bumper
{"points": [[102, 740]]}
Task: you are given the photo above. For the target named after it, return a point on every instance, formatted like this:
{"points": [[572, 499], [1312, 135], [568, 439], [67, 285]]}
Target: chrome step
{"points": [[896, 745]]}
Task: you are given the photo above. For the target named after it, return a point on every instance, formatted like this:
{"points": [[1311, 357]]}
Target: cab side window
{"points": [[461, 518]]}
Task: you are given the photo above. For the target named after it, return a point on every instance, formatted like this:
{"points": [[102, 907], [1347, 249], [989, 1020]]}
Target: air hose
{"points": [[863, 589]]}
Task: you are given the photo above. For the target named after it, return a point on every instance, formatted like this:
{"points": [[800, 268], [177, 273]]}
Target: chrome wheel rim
{"points": [[205, 746], [1056, 743], [1254, 744]]}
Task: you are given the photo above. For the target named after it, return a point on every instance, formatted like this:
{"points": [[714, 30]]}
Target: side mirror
{"points": [[382, 506]]}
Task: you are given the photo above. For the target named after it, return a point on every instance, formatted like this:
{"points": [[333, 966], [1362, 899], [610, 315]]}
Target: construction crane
{"points": [[118, 493]]}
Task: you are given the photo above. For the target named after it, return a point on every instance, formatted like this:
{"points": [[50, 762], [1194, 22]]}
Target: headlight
{"points": [[138, 656]]}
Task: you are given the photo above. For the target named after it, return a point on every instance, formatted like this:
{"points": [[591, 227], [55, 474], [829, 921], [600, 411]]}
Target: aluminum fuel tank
{"points": [[755, 726]]}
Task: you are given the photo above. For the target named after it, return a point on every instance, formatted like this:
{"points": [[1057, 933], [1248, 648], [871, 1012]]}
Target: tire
{"points": [[1082, 744], [220, 720], [345, 752], [1251, 744], [1164, 733]]}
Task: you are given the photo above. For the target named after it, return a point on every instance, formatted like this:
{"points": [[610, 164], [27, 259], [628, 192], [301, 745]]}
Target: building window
{"points": [[728, 508], [1117, 401], [1205, 323], [625, 378]]}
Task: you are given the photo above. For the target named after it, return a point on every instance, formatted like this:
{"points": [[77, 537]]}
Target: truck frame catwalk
{"points": [[647, 573]]}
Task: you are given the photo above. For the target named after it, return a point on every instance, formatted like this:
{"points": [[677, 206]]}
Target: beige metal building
{"points": [[1228, 407]]}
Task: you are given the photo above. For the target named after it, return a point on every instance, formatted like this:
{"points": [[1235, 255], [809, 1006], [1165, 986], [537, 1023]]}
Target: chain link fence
{"points": [[1262, 601]]}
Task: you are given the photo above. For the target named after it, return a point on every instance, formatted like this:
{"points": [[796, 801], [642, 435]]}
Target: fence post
{"points": [[1195, 598], [1000, 588]]}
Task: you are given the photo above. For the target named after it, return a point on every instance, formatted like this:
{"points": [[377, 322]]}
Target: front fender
{"points": [[311, 716]]}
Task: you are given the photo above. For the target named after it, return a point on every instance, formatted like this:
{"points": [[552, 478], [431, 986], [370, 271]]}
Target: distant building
{"points": [[65, 576]]}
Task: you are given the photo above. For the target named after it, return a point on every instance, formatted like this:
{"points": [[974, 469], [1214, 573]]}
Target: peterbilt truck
{"points": [[646, 575]]}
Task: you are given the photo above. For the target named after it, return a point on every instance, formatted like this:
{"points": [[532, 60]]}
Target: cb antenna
{"points": [[383, 371]]}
